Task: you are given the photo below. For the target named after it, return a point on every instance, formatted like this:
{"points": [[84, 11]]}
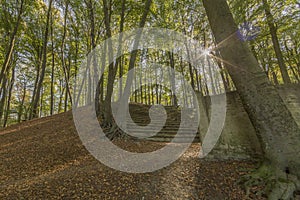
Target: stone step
{"points": [[167, 125], [168, 135], [171, 135], [140, 116], [167, 128], [181, 140], [159, 121], [146, 116]]}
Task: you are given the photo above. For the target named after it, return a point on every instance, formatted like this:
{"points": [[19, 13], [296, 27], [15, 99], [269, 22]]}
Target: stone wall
{"points": [[291, 96], [238, 139]]}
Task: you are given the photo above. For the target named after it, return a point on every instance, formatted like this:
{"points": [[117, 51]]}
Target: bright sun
{"points": [[206, 52]]}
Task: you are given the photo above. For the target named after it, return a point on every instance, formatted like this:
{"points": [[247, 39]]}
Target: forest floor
{"points": [[45, 159]]}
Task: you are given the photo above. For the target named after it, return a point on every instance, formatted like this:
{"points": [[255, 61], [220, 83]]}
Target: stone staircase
{"points": [[142, 124]]}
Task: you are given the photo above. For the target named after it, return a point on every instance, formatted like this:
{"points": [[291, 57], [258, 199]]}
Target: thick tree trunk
{"points": [[111, 68], [276, 128], [132, 61]]}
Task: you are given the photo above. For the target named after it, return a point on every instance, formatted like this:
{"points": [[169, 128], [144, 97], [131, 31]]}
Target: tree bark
{"points": [[3, 96], [9, 53], [12, 81], [111, 68], [276, 45], [21, 107], [63, 62], [44, 63], [132, 61], [276, 128], [52, 70]]}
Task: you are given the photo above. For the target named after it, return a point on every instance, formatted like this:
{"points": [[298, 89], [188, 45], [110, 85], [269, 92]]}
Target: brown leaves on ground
{"points": [[45, 159]]}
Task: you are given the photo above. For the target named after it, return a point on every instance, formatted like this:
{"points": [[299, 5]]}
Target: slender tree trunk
{"points": [[161, 87], [183, 82], [222, 72], [197, 79], [210, 73], [3, 96], [12, 81], [206, 91], [141, 87], [145, 86], [103, 61], [66, 100], [52, 70], [172, 78], [44, 63], [21, 107], [62, 91], [120, 77], [276, 128], [276, 45], [290, 60], [41, 110], [63, 62], [275, 79], [152, 92], [121, 59], [34, 89], [9, 53]]}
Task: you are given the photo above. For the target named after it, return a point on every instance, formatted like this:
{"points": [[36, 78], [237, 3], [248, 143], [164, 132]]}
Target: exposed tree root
{"points": [[114, 132], [276, 184], [111, 129]]}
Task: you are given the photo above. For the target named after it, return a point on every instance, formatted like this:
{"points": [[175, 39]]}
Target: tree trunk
{"points": [[3, 96], [21, 107], [276, 128], [211, 77], [52, 70], [12, 81], [111, 70], [30, 110], [132, 61], [9, 53], [63, 62], [172, 78], [44, 63], [276, 45]]}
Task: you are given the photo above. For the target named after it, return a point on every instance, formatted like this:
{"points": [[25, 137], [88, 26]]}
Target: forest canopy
{"points": [[44, 42]]}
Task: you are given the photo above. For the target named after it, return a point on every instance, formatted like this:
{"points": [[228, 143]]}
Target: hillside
{"points": [[44, 158]]}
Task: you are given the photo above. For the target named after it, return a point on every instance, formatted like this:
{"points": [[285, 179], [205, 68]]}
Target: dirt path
{"points": [[44, 159]]}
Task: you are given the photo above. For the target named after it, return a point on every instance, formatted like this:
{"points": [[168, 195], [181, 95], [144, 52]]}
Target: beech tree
{"points": [[77, 27], [276, 45], [277, 130], [36, 98]]}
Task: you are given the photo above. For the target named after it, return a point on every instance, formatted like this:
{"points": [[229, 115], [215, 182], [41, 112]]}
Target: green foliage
{"points": [[184, 16]]}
